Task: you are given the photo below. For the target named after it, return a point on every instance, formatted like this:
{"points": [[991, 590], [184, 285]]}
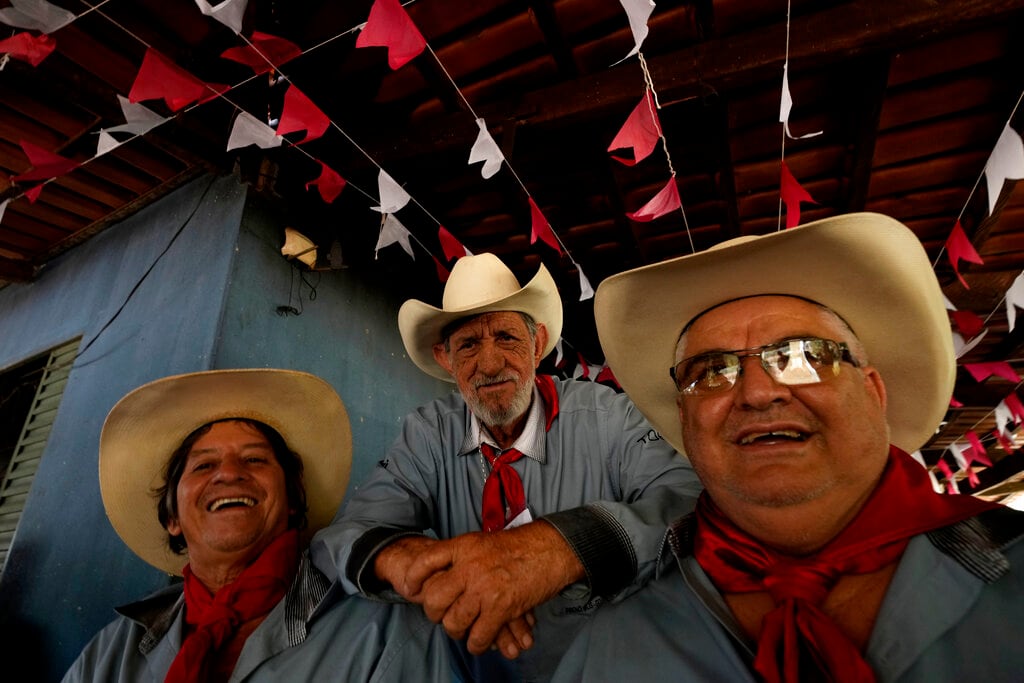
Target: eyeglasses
{"points": [[791, 362]]}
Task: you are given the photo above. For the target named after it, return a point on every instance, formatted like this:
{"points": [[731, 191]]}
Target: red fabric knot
{"points": [[216, 617], [504, 497], [798, 641]]}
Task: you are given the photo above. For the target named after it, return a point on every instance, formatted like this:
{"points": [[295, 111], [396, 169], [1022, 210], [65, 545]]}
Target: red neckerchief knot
{"points": [[797, 633], [216, 618], [504, 498]]}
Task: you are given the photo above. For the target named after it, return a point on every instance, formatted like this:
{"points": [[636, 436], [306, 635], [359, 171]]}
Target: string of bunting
{"points": [[390, 26]]}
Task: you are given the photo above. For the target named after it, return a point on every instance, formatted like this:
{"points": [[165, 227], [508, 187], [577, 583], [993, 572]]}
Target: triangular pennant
{"points": [[793, 194], [299, 113], [1014, 300], [666, 201], [329, 183], [452, 248], [972, 477], [977, 452], [640, 133], [485, 149], [33, 194], [264, 53], [3, 208], [541, 229], [391, 231], [392, 196], [982, 371], [390, 26], [968, 322], [1014, 404], [248, 130], [949, 304], [559, 357], [958, 248], [586, 291], [960, 347], [442, 272], [638, 12], [36, 15], [138, 118], [787, 106], [1006, 161], [953, 403], [606, 375], [27, 47], [45, 164], [105, 143], [959, 451], [1004, 442], [229, 12], [160, 78]]}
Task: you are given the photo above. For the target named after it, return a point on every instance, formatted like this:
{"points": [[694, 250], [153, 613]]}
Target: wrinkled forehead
{"points": [[770, 301], [492, 320]]}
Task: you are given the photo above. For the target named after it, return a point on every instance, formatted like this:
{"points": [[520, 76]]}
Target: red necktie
{"points": [[797, 633], [503, 486]]}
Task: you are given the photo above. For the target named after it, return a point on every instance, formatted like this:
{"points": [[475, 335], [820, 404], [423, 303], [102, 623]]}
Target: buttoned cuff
{"points": [[602, 546], [359, 569]]}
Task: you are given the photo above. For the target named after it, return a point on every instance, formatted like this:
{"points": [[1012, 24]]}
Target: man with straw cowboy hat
{"points": [[805, 366], [221, 477], [546, 494]]}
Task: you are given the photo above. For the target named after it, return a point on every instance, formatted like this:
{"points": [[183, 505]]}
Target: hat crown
{"points": [[476, 280]]}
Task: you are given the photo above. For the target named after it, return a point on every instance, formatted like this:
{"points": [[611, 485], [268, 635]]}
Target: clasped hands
{"points": [[482, 586]]}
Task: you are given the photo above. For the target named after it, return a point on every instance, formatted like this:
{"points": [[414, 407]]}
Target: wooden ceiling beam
{"points": [[849, 30]]}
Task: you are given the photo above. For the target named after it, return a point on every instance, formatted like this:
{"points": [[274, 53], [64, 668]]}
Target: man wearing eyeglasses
{"points": [[805, 366]]}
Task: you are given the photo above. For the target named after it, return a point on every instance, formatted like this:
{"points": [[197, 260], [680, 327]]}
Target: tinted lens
{"points": [[709, 372], [801, 361]]}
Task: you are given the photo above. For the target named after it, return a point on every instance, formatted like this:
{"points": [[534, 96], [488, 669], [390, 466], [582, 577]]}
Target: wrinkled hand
{"points": [[482, 586], [393, 562]]}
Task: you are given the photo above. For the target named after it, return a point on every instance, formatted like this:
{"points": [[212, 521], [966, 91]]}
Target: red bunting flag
{"points": [[793, 194], [266, 52], [955, 403], [33, 194], [453, 249], [944, 467], [442, 272], [45, 165], [977, 453], [329, 183], [27, 47], [968, 322], [1013, 403], [982, 371], [972, 477], [390, 26], [606, 375], [299, 113], [640, 133], [541, 229], [666, 201], [1005, 443], [959, 248], [160, 78]]}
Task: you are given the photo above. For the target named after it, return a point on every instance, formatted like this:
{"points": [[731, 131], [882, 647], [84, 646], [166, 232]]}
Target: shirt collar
{"points": [[532, 442]]}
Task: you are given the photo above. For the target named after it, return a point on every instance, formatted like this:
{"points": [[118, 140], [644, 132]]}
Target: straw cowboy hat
{"points": [[868, 268], [478, 284], [146, 426]]}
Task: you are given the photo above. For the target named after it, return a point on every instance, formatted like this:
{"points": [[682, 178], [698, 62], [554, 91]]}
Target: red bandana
{"points": [[797, 632], [504, 498], [216, 618]]}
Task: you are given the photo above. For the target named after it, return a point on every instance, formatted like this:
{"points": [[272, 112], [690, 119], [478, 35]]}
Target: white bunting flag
{"points": [[230, 12], [787, 105], [36, 15], [638, 12], [391, 231], [586, 291], [248, 130], [392, 196], [486, 150], [1014, 299], [1006, 161]]}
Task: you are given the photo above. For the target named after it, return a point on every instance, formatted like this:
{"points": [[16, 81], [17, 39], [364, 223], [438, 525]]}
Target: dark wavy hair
{"points": [[167, 495]]}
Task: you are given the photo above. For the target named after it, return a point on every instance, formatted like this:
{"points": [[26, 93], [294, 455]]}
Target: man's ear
{"points": [[441, 356], [173, 528], [540, 342]]}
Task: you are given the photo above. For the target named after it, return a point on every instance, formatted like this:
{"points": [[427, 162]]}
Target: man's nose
{"points": [[755, 388]]}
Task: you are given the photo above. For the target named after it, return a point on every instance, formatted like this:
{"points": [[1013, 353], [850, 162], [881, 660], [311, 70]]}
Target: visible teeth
{"points": [[784, 434], [221, 502]]}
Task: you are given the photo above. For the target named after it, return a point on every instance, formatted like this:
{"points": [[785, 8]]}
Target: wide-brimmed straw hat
{"points": [[478, 284], [146, 426], [870, 269]]}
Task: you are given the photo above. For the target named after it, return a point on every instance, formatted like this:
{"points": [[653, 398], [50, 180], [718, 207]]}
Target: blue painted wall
{"points": [[209, 302]]}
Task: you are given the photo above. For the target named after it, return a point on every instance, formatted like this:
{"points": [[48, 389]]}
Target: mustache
{"points": [[495, 379]]}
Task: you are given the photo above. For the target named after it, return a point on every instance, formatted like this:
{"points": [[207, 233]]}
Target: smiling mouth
{"points": [[773, 437], [221, 503]]}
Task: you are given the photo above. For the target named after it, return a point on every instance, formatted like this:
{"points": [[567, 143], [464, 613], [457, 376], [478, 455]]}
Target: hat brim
{"points": [[420, 324], [146, 426], [869, 268]]}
